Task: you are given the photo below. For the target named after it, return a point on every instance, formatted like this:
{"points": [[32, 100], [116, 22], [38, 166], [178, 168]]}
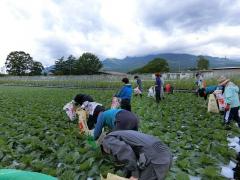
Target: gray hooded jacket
{"points": [[127, 146]]}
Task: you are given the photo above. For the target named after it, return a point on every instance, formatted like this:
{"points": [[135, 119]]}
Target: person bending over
{"points": [[79, 99], [204, 92], [116, 119], [93, 109], [145, 157]]}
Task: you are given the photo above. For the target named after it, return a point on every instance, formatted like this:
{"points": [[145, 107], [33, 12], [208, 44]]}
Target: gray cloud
{"points": [[49, 20], [188, 14], [124, 28], [82, 16], [228, 41], [55, 47]]}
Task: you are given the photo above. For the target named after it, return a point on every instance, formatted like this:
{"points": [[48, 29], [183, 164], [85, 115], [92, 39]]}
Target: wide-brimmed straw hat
{"points": [[222, 80]]}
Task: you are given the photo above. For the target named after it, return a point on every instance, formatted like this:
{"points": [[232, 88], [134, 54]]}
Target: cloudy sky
{"points": [[49, 29]]}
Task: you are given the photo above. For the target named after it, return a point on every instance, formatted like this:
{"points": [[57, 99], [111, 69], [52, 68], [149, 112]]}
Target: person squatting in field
{"points": [[231, 98], [158, 85], [144, 156], [139, 86], [116, 119], [125, 95], [93, 108]]}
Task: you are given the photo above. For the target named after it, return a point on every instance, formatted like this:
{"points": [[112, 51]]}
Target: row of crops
{"points": [[35, 135], [95, 81]]}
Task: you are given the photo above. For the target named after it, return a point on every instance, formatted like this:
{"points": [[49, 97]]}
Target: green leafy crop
{"points": [[35, 134]]}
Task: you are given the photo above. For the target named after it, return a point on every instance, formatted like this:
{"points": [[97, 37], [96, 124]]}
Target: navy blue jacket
{"points": [[158, 84]]}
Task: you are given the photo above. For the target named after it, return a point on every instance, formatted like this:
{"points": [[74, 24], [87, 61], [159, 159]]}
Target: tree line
{"points": [[87, 63], [19, 63]]}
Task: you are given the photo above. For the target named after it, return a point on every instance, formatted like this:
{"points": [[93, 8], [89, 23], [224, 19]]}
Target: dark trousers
{"points": [[232, 114], [126, 120], [126, 104], [158, 95], [92, 119]]}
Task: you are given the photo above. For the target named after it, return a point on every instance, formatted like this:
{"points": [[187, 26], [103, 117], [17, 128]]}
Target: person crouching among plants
{"points": [[72, 106], [79, 99], [204, 92], [125, 95], [231, 98], [144, 156], [87, 103], [116, 119], [93, 109]]}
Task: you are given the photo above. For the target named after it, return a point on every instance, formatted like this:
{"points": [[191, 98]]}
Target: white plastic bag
{"points": [[234, 146], [70, 110], [227, 172], [151, 92], [137, 91], [90, 106], [234, 140], [220, 99], [115, 103]]}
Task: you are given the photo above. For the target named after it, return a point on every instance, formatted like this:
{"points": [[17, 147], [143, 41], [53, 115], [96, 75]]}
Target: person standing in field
{"points": [[231, 98], [158, 85], [200, 82], [162, 85], [145, 157], [139, 88], [125, 95]]}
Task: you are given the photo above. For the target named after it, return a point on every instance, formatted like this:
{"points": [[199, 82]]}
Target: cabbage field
{"points": [[35, 134]]}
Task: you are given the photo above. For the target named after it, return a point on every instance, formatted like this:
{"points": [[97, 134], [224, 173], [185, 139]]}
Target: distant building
{"points": [[178, 75], [214, 72], [226, 71], [113, 73]]}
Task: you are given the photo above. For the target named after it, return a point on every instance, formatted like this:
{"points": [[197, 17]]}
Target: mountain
{"points": [[176, 62], [48, 69]]}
